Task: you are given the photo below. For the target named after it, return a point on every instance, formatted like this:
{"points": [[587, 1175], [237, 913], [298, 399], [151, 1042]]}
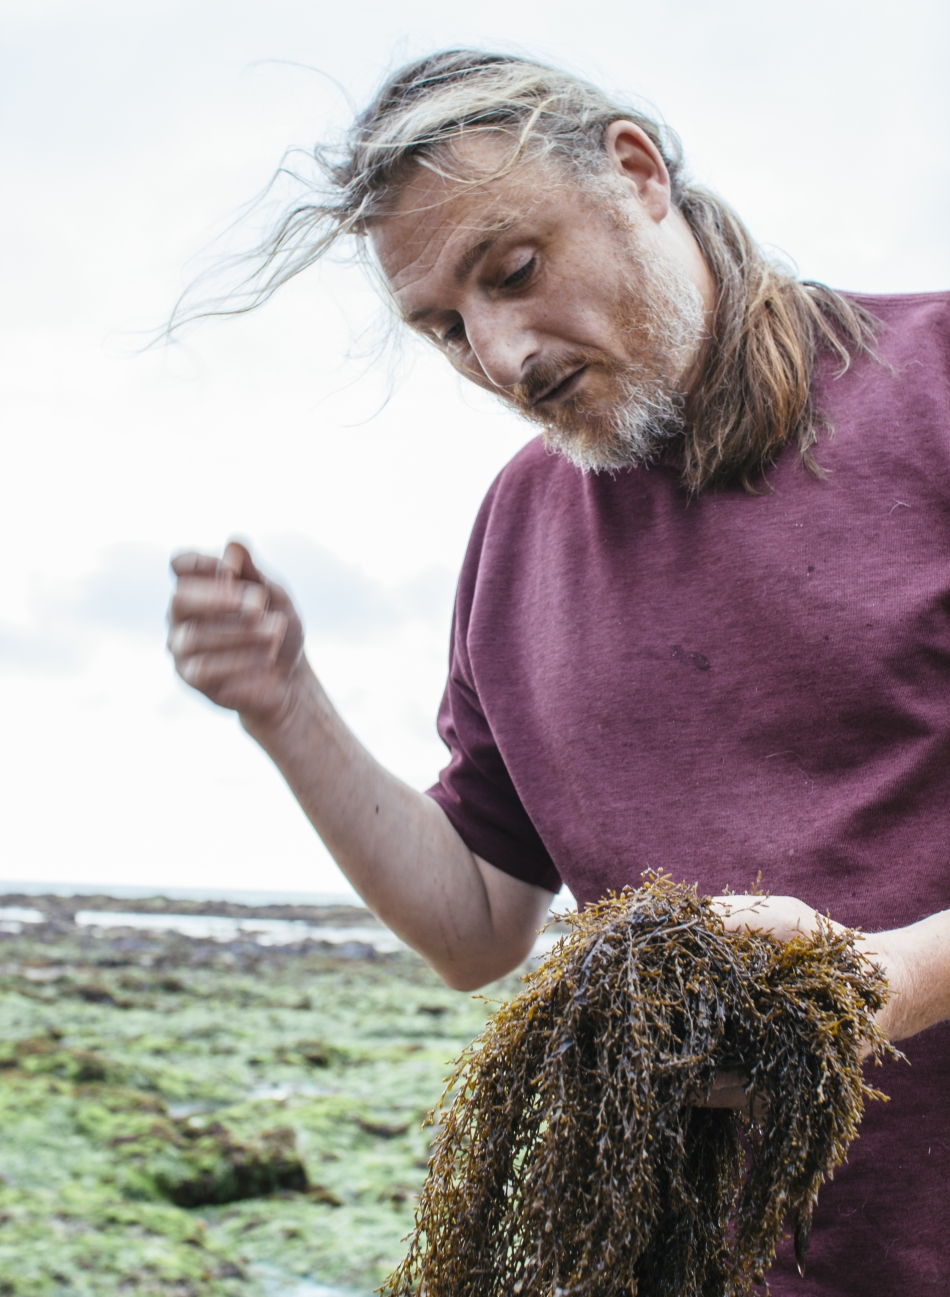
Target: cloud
{"points": [[128, 591], [333, 597], [337, 599], [35, 651]]}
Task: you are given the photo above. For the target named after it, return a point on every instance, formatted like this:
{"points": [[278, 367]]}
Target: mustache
{"points": [[544, 375]]}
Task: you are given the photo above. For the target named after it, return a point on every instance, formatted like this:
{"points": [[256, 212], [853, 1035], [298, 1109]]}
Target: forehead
{"points": [[437, 218]]}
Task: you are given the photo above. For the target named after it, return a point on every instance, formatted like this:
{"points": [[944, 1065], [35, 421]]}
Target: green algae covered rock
{"points": [[109, 1104], [197, 1165]]}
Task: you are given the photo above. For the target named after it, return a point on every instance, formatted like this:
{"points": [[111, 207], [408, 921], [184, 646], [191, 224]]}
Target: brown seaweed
{"points": [[574, 1157]]}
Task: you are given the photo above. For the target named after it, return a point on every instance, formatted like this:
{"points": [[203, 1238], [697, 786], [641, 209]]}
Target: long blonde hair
{"points": [[755, 394]]}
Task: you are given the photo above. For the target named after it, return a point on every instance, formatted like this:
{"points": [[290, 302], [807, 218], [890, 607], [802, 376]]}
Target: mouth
{"points": [[560, 390]]}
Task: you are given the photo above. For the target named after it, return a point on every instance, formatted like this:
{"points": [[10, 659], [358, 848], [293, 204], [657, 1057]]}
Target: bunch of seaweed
{"points": [[574, 1157]]}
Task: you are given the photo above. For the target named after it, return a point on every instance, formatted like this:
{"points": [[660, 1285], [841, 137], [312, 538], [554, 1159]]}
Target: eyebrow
{"points": [[468, 260]]}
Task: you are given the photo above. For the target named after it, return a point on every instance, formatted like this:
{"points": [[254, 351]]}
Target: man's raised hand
{"points": [[235, 635]]}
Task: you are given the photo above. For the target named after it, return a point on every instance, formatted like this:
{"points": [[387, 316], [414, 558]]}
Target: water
{"points": [[277, 1284], [305, 1288], [31, 887], [216, 927], [13, 918], [220, 927]]}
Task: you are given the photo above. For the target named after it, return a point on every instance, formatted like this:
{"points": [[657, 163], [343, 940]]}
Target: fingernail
{"points": [[254, 599]]}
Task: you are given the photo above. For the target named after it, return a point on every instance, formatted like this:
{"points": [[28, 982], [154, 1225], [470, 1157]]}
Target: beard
{"points": [[627, 411]]}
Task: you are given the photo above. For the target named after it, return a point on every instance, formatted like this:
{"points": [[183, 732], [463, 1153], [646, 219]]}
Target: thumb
{"points": [[237, 560]]}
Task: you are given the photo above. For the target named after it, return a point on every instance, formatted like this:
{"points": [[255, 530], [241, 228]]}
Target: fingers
{"points": [[189, 563], [218, 616], [729, 1090], [215, 596], [235, 562], [744, 913], [778, 917], [234, 664], [238, 577], [224, 588], [237, 669], [189, 638], [234, 635]]}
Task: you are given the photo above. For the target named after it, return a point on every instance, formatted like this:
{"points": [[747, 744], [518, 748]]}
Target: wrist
{"points": [[916, 962], [302, 700]]}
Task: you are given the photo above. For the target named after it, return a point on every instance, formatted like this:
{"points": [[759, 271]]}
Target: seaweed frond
{"points": [[574, 1157]]}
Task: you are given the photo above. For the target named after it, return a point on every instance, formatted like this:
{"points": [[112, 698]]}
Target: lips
{"points": [[560, 390]]}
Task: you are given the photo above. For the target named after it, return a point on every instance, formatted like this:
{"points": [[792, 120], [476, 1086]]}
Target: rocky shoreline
{"points": [[63, 909], [185, 1115]]}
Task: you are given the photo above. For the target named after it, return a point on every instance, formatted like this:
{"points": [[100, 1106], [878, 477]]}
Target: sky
{"points": [[132, 135]]}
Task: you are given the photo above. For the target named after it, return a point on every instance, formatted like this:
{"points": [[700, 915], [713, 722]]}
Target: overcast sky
{"points": [[133, 131]]}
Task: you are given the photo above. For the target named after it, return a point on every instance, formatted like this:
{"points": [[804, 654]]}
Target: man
{"points": [[708, 634]]}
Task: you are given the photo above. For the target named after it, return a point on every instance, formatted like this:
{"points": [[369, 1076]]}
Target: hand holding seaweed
{"points": [[573, 1159]]}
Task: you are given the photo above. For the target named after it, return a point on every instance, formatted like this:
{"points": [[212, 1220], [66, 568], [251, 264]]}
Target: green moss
{"points": [[82, 1241], [108, 1102]]}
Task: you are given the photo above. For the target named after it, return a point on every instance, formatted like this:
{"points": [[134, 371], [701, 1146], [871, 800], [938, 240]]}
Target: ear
{"points": [[634, 157]]}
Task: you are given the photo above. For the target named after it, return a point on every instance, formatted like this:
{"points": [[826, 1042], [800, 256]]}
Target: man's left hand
{"points": [[915, 960]]}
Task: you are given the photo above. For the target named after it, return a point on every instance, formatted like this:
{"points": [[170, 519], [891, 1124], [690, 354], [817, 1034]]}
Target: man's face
{"points": [[571, 304]]}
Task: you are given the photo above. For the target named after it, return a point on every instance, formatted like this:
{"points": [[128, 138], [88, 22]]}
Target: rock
{"points": [[192, 1164], [94, 993], [382, 1129]]}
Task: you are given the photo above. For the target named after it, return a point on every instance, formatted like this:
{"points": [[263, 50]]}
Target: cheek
{"points": [[581, 306], [567, 316], [471, 372]]}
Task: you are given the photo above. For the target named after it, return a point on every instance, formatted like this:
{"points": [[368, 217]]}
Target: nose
{"points": [[502, 345]]}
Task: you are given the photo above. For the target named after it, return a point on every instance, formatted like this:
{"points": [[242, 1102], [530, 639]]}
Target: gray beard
{"points": [[632, 435], [665, 322]]}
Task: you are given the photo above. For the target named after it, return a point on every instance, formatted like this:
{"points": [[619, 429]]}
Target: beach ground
{"points": [[185, 1116]]}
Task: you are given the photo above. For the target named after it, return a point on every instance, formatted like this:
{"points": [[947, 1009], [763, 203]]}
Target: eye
{"points": [[521, 275]]}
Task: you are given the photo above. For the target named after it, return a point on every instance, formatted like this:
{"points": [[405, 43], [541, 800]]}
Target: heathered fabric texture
{"points": [[731, 684]]}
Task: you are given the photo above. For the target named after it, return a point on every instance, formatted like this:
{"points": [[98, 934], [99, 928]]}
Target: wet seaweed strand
{"points": [[572, 1159]]}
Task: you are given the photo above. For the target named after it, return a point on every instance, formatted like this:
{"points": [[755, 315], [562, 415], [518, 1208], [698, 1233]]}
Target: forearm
{"points": [[236, 637], [393, 843], [916, 961]]}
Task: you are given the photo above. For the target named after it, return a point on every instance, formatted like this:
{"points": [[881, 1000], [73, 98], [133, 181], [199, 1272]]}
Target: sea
{"points": [[43, 887], [214, 927]]}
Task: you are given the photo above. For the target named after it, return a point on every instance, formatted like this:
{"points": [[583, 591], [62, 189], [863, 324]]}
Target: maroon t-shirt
{"points": [[733, 684]]}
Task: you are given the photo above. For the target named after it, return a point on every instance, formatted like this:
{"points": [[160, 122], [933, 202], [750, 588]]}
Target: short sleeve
{"points": [[475, 789]]}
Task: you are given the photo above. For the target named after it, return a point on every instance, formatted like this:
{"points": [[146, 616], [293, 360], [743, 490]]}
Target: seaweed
{"points": [[574, 1155]]}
